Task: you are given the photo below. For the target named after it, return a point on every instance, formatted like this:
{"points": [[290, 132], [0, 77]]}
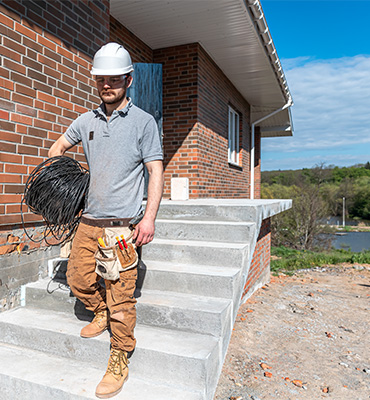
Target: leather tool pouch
{"points": [[111, 260]]}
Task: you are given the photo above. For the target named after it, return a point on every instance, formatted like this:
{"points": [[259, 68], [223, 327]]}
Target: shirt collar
{"points": [[101, 109]]}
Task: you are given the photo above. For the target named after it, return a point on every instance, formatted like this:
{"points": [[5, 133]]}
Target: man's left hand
{"points": [[144, 232]]}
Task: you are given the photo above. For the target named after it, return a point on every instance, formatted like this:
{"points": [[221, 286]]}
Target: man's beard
{"points": [[114, 99]]}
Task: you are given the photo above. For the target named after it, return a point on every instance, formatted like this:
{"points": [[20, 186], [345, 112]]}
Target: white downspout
{"points": [[288, 104]]}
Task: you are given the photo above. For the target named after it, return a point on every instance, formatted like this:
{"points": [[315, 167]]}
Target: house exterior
{"points": [[223, 91]]}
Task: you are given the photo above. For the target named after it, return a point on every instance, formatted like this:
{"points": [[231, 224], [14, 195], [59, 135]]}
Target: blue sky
{"points": [[324, 47]]}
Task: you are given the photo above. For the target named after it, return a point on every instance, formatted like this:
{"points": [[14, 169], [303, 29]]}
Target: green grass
{"points": [[348, 228], [290, 260]]}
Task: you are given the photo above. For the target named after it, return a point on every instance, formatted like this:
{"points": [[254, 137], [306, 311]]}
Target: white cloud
{"points": [[331, 113]]}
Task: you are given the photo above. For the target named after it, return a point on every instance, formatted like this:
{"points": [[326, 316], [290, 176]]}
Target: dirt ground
{"points": [[305, 337]]}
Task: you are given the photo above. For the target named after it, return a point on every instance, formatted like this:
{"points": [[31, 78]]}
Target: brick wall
{"points": [[180, 79], [259, 271], [219, 178], [45, 83], [195, 112], [46, 49]]}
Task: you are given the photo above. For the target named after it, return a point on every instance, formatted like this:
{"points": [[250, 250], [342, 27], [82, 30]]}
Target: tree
{"points": [[300, 227]]}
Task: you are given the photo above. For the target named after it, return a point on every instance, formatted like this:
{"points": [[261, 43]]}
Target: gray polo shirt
{"points": [[116, 152]]}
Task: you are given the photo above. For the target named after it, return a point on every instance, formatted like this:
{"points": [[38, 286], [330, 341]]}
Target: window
{"points": [[233, 137]]}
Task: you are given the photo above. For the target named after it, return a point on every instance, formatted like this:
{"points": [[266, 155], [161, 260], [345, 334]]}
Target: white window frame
{"points": [[234, 131]]}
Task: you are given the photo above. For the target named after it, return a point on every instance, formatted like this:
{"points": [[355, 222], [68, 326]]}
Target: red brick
{"points": [[52, 72], [7, 84], [46, 61], [18, 98], [25, 110], [64, 52], [14, 66], [37, 132], [6, 20], [11, 158], [33, 160], [13, 189], [4, 115], [10, 198], [8, 147], [14, 46], [43, 153], [7, 126], [10, 178], [5, 95], [80, 109], [32, 141], [9, 13], [42, 87], [25, 31], [61, 94], [27, 150], [52, 109], [47, 116], [46, 97], [14, 209], [27, 90], [47, 43], [22, 119], [21, 128], [65, 104], [43, 124]]}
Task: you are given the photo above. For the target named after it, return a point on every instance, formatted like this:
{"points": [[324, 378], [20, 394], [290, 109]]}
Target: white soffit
{"points": [[277, 125], [224, 28]]}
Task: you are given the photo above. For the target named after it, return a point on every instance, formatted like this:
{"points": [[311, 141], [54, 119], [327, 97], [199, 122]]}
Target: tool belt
{"points": [[116, 255]]}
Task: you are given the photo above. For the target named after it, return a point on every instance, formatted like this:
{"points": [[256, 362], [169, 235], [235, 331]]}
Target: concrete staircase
{"points": [[189, 289]]}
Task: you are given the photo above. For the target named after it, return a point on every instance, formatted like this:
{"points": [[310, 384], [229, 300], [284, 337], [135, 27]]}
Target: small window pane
{"points": [[233, 151]]}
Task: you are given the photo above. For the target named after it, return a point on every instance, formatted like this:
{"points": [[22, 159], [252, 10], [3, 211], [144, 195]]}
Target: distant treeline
{"points": [[333, 184], [317, 194], [326, 174]]}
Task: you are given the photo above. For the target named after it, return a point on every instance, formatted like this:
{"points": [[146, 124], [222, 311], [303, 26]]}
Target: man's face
{"points": [[112, 89]]}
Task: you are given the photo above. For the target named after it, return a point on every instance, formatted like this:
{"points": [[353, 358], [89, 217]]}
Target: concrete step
{"points": [[187, 312], [28, 375], [197, 252], [198, 314], [186, 360], [222, 209], [202, 280], [215, 231], [208, 209]]}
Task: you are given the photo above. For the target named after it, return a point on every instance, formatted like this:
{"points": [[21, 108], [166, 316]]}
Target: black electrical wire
{"points": [[57, 190]]}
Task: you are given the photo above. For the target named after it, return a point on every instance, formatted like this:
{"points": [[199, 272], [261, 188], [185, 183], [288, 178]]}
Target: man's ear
{"points": [[129, 81]]}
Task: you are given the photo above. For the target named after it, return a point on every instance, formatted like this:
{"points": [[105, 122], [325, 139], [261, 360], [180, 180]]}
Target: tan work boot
{"points": [[97, 326], [115, 377]]}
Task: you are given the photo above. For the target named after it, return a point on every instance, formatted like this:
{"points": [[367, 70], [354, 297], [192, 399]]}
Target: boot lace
{"points": [[101, 318], [117, 362]]}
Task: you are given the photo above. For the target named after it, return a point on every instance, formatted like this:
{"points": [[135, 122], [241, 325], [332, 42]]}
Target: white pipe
{"points": [[288, 104]]}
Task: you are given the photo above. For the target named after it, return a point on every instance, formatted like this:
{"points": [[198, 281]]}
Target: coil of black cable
{"points": [[57, 190]]}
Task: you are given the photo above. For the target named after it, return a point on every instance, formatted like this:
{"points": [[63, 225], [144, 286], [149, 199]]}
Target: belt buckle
{"points": [[116, 223]]}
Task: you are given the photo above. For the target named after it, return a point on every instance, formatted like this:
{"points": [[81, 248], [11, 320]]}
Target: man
{"points": [[118, 139]]}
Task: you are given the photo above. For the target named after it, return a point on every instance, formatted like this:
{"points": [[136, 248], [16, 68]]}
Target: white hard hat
{"points": [[112, 59]]}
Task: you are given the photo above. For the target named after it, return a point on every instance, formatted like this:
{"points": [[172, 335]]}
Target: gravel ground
{"points": [[302, 337]]}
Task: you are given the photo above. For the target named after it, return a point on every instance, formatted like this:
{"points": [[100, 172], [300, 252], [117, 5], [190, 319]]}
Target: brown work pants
{"points": [[117, 296]]}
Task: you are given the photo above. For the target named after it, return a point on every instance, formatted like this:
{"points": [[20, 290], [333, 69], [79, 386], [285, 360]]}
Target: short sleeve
{"points": [[73, 133], [151, 148]]}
